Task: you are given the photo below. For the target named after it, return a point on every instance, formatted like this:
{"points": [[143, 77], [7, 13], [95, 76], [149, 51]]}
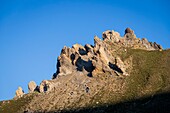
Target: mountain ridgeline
{"points": [[115, 75]]}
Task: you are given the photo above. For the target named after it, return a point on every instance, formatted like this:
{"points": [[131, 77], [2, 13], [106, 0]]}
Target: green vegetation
{"points": [[150, 73], [14, 106]]}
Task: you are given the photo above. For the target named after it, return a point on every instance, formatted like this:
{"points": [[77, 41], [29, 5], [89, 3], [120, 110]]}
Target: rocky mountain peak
{"points": [[102, 57], [86, 70]]}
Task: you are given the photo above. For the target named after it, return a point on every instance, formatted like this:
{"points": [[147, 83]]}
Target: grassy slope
{"points": [[147, 87], [150, 74], [14, 106]]}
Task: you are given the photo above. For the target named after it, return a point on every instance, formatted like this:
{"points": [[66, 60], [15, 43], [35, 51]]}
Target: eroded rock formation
{"points": [[19, 92], [130, 40], [91, 59], [32, 86]]}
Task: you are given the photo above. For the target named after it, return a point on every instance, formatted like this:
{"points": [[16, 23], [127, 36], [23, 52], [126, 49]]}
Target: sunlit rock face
{"points": [[19, 92], [130, 40], [32, 86]]}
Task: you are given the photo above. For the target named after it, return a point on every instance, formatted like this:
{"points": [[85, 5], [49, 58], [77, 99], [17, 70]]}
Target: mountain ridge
{"points": [[114, 70]]}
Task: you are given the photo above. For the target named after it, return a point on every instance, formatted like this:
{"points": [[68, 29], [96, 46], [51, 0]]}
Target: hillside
{"points": [[115, 75]]}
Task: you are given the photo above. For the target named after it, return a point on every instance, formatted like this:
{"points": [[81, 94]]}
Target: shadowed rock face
{"points": [[90, 75]]}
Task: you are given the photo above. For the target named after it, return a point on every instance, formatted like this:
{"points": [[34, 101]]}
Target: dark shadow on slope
{"points": [[115, 67], [159, 103]]}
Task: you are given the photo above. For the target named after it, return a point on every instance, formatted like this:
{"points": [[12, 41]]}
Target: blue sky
{"points": [[33, 32]]}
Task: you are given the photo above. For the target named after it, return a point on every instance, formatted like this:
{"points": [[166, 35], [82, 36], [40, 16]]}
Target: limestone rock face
{"points": [[19, 92], [32, 86]]}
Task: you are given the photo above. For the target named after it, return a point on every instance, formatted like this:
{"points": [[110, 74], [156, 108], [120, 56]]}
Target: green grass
{"points": [[150, 74], [14, 106]]}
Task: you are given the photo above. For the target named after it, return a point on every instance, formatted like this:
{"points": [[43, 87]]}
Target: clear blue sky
{"points": [[33, 32]]}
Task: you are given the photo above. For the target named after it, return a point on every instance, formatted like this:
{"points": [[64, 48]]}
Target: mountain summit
{"points": [[116, 74]]}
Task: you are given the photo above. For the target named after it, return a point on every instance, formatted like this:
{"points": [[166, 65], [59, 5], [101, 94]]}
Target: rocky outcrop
{"points": [[120, 64], [19, 92], [128, 30], [45, 86], [32, 86], [91, 59], [129, 40], [111, 35]]}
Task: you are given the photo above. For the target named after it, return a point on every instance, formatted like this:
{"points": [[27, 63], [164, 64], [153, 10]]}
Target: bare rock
{"points": [[121, 66], [89, 48], [32, 86], [97, 42], [104, 55], [64, 65], [19, 92], [67, 51], [156, 46], [129, 35], [45, 86], [79, 49], [111, 35], [128, 30]]}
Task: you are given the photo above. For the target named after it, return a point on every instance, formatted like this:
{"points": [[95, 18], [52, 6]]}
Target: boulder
{"points": [[111, 35], [32, 86], [45, 86], [121, 66], [129, 36], [19, 92], [128, 30]]}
